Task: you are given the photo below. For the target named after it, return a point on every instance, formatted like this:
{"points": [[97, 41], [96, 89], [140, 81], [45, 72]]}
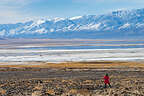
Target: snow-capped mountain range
{"points": [[124, 23]]}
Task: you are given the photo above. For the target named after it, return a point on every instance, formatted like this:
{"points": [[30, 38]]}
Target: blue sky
{"points": [[12, 11]]}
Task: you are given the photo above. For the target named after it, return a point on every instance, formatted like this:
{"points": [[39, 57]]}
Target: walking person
{"points": [[106, 81]]}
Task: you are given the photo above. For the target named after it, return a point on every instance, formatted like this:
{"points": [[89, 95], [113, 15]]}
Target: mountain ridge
{"points": [[121, 23]]}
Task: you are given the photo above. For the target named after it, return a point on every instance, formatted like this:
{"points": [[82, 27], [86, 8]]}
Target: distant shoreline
{"points": [[70, 50], [24, 55]]}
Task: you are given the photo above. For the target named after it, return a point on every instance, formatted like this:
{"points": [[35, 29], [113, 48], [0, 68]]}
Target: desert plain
{"points": [[30, 69]]}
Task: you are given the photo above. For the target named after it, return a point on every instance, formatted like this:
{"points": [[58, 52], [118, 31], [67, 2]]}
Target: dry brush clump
{"points": [[128, 86]]}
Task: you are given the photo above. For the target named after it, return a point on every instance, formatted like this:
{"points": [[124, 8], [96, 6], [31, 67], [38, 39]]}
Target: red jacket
{"points": [[106, 79]]}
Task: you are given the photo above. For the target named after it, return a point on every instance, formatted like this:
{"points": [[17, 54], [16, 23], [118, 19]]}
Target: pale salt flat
{"points": [[56, 56]]}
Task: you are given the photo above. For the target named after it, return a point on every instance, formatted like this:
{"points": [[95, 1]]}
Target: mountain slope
{"points": [[124, 23]]}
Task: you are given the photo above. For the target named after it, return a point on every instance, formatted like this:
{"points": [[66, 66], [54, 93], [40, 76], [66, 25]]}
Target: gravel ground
{"points": [[65, 82]]}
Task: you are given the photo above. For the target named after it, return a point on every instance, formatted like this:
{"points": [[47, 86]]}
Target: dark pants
{"points": [[106, 85]]}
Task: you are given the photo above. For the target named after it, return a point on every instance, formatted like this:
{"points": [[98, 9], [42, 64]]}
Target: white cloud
{"points": [[10, 10], [111, 1], [15, 2]]}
